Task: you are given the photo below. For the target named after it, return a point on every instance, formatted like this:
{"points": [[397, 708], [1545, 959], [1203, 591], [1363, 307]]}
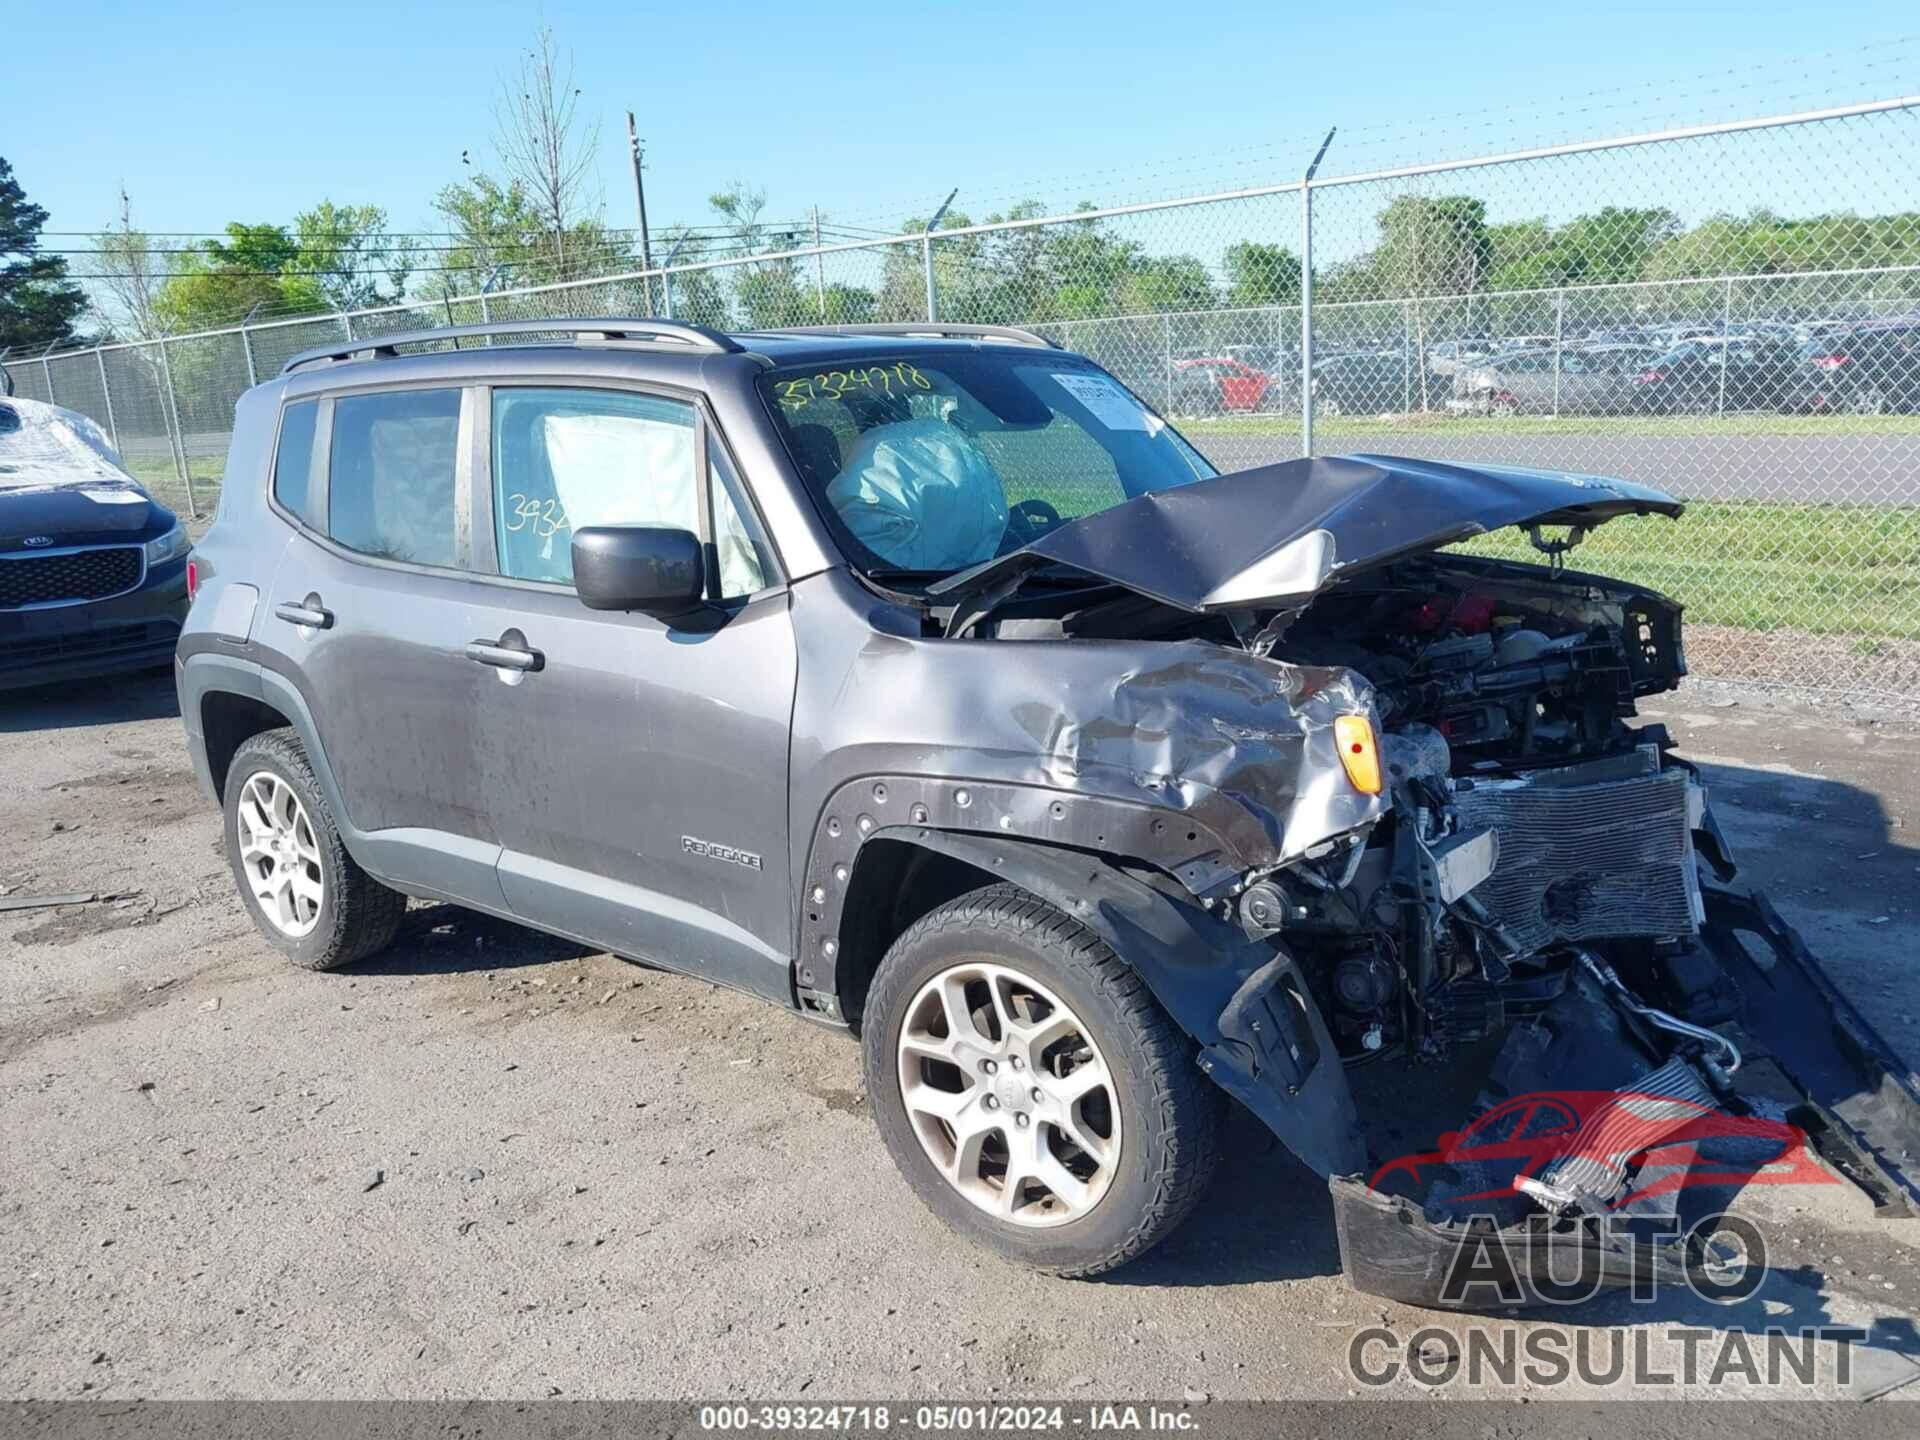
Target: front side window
{"points": [[390, 478], [564, 458], [926, 463]]}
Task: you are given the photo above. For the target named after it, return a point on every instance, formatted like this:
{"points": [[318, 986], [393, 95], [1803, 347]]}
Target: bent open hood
{"points": [[1281, 533]]}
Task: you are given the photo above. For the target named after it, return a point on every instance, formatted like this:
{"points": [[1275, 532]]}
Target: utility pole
{"points": [[640, 201]]}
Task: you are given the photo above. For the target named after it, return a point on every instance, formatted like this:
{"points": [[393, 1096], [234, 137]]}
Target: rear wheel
{"points": [[1030, 1088], [307, 895]]}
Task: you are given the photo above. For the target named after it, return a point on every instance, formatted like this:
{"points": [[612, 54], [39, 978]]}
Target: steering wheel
{"points": [[1032, 519]]}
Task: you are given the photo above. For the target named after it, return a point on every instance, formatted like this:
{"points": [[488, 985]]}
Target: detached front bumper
{"points": [[134, 631], [1800, 1038], [1389, 1248]]}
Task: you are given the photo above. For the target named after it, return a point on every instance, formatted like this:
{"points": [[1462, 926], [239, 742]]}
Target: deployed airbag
{"points": [[921, 496]]}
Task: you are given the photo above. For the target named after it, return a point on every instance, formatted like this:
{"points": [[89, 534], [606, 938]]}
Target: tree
{"points": [[547, 150], [345, 251], [1261, 274], [38, 304], [1608, 247], [848, 305], [1167, 283], [131, 274], [224, 280], [495, 228], [767, 294], [1432, 247]]}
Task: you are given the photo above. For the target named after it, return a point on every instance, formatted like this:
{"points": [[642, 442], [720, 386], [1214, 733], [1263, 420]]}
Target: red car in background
{"points": [[1216, 386]]}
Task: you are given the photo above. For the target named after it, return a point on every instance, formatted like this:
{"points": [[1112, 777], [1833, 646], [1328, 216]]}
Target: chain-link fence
{"points": [[1728, 312]]}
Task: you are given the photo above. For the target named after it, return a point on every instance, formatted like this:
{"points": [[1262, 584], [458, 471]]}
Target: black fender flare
{"points": [[205, 671], [1260, 1035]]}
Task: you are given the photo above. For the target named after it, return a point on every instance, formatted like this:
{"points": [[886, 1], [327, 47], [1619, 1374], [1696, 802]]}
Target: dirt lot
{"points": [[487, 1164]]}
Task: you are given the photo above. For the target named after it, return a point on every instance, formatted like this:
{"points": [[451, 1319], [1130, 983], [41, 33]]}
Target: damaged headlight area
{"points": [[1546, 905]]}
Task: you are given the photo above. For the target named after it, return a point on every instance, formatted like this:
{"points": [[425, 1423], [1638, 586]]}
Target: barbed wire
{"points": [[1386, 143]]}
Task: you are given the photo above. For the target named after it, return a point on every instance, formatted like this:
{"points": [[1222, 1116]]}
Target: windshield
{"points": [[45, 445], [929, 462]]}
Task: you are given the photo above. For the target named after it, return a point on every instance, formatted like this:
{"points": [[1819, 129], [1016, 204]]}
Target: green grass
{"points": [[163, 482], [1825, 569], [1340, 428]]}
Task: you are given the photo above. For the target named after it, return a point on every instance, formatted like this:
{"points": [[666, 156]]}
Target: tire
{"points": [[1161, 1142], [356, 916]]}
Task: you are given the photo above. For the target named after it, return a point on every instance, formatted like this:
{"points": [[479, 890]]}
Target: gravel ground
{"points": [[487, 1164]]}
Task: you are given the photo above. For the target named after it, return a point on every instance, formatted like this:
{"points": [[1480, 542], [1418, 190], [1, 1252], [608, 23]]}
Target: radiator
{"points": [[1588, 852]]}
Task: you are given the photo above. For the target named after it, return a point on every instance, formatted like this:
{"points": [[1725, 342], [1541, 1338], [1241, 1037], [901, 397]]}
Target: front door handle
{"points": [[502, 654], [309, 612]]}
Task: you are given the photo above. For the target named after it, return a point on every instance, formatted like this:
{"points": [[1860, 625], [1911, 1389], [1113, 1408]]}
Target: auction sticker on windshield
{"points": [[1112, 406]]}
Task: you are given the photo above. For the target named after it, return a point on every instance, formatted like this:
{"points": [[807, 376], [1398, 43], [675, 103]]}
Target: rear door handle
{"points": [[504, 657], [309, 612]]}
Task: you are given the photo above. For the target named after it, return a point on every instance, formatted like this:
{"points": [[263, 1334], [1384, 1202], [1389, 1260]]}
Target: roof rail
{"points": [[609, 331], [938, 330]]}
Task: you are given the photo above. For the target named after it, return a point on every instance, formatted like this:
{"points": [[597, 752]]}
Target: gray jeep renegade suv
{"points": [[926, 682]]}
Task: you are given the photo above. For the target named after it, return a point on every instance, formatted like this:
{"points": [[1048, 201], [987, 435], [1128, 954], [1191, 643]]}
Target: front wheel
{"points": [[1031, 1089]]}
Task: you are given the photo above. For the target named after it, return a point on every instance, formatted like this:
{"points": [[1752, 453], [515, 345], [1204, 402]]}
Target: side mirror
{"points": [[651, 568]]}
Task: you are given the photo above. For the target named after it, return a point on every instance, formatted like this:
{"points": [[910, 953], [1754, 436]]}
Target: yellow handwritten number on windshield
{"points": [[833, 384]]}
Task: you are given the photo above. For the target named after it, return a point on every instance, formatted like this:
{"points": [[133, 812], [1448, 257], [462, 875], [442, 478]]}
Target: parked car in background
{"points": [[1369, 383], [1216, 386], [93, 570], [1446, 357], [1872, 369], [1514, 344], [1588, 380], [1714, 376]]}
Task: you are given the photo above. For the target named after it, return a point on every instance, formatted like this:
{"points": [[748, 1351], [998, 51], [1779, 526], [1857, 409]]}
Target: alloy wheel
{"points": [[279, 854], [1009, 1095]]}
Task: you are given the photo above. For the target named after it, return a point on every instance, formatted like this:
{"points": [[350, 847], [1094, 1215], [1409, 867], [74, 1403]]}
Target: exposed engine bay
{"points": [[1529, 818]]}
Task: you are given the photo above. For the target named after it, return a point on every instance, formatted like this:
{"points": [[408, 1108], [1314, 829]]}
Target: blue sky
{"points": [[211, 112]]}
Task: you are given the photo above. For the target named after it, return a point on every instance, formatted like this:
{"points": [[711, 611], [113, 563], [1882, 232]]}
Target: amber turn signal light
{"points": [[1359, 753]]}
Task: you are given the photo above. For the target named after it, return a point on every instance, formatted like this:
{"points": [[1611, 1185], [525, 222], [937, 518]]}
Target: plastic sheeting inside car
{"points": [[44, 444], [921, 496]]}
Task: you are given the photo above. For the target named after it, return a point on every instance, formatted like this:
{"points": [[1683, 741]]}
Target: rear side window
{"points": [[390, 480], [293, 464]]}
